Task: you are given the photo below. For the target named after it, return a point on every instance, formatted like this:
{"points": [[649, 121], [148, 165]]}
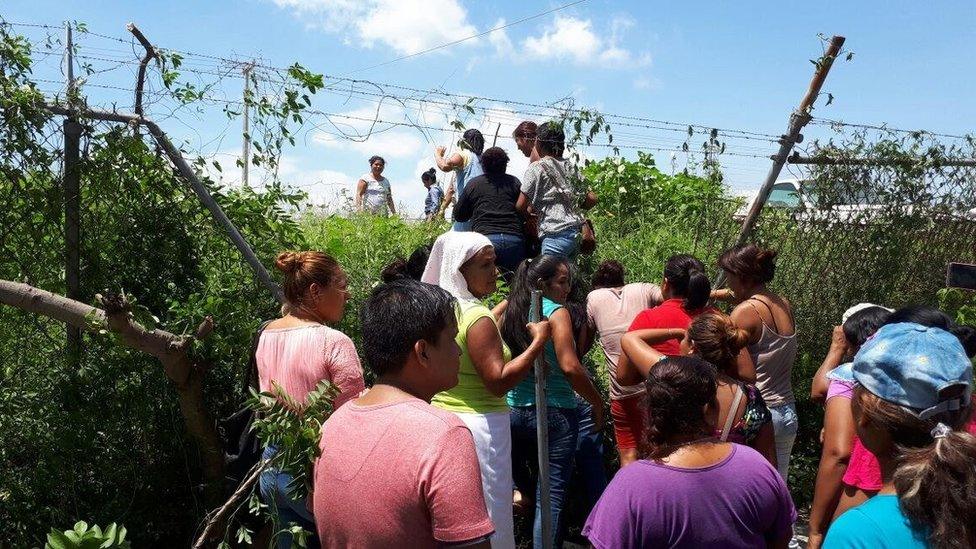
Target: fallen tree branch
{"points": [[170, 349], [219, 516]]}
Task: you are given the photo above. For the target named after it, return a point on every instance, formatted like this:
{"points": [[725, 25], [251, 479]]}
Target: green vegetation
{"points": [[100, 437]]}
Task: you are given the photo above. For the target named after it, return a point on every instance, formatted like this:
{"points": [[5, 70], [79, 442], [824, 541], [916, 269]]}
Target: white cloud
{"points": [[407, 26], [391, 143], [573, 39]]}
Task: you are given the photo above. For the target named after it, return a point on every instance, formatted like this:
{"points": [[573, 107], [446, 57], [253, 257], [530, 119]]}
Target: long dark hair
{"points": [[678, 389], [526, 279], [687, 279], [933, 477], [474, 141]]}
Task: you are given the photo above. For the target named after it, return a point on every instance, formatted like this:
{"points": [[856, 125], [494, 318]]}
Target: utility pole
{"points": [[246, 155], [72, 205]]}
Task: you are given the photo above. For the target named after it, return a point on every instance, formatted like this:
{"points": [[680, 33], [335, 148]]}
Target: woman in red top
{"points": [[686, 290]]}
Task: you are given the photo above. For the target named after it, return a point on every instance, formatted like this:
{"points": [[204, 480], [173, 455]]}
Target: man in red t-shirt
{"points": [[394, 470]]}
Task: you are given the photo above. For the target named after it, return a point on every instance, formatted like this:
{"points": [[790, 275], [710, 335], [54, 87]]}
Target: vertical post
{"points": [[542, 429], [246, 154], [798, 119], [497, 129], [72, 207]]}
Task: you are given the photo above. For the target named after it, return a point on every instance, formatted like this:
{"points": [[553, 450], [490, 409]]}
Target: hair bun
{"points": [[289, 262], [737, 337]]}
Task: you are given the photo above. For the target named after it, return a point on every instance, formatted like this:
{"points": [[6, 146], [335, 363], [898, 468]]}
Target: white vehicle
{"points": [[846, 206], [799, 194]]}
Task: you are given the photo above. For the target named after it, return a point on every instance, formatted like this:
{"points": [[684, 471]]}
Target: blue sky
{"points": [[719, 64]]}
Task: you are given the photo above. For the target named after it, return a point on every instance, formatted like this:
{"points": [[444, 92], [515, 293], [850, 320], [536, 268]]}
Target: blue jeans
{"points": [[589, 455], [274, 493], [785, 426], [564, 244], [563, 430], [509, 251]]}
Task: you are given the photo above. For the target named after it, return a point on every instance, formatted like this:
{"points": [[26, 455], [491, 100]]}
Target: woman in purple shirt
{"points": [[692, 490]]}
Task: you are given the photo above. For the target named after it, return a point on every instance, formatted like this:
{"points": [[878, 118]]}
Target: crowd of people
{"points": [[443, 446]]}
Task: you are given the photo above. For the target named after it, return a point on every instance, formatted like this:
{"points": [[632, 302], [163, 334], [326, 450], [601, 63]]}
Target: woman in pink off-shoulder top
{"points": [[297, 352]]}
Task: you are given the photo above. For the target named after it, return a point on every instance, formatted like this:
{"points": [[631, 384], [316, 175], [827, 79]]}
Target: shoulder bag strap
{"points": [[730, 419]]}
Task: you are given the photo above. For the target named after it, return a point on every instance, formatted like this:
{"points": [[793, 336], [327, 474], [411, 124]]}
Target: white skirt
{"points": [[492, 434]]}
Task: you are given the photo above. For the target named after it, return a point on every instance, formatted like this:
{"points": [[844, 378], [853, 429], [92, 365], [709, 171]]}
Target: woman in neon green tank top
{"points": [[463, 263]]}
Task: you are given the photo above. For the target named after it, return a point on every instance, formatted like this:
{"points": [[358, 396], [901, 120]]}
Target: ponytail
{"points": [[699, 290], [936, 488], [934, 474], [686, 277]]}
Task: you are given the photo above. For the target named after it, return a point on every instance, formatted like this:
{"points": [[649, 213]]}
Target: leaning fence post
{"points": [[542, 429], [798, 119]]}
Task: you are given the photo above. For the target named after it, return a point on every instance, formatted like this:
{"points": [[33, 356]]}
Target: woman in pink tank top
{"points": [[297, 352]]}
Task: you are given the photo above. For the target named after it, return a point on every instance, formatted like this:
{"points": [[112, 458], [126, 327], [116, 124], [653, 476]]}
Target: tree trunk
{"points": [[170, 349]]}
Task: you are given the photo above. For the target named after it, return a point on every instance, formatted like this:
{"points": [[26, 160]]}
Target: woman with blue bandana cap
{"points": [[912, 408]]}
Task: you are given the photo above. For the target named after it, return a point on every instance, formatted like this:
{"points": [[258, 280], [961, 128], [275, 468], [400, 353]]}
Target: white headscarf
{"points": [[450, 251]]}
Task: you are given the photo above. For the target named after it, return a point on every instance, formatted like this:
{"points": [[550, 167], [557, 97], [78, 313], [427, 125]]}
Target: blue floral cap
{"points": [[844, 372], [910, 364]]}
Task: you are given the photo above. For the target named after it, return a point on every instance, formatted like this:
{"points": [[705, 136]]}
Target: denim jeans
{"points": [[509, 252], [785, 426], [565, 243], [274, 493], [563, 430], [589, 455]]}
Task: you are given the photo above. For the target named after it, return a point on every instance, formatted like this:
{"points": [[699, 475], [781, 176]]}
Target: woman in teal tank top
{"points": [[565, 377]]}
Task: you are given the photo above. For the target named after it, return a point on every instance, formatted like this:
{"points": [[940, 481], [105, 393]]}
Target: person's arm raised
{"points": [[638, 357], [565, 342], [445, 163], [838, 349], [485, 348]]}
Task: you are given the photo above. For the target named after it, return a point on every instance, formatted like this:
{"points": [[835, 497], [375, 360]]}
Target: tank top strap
{"points": [[768, 308]]}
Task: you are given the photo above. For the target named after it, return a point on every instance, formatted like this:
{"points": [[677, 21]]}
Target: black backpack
{"points": [[242, 449]]}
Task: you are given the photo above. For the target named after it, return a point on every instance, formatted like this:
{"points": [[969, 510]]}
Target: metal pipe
{"points": [[795, 158], [798, 119], [542, 428], [195, 183]]}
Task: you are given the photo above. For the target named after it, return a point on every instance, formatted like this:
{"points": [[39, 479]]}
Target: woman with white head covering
{"points": [[463, 263]]}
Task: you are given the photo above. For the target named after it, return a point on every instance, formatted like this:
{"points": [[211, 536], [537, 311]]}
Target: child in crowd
{"points": [[693, 490], [435, 195], [394, 470], [911, 407], [859, 323]]}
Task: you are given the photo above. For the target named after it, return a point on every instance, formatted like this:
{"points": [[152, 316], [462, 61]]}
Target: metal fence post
{"points": [[542, 429], [798, 119], [72, 206]]}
